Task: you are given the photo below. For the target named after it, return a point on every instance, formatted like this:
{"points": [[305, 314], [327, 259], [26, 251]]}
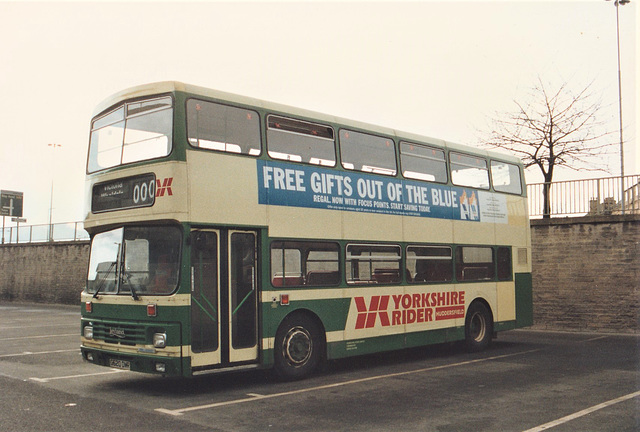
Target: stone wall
{"points": [[586, 273], [43, 272]]}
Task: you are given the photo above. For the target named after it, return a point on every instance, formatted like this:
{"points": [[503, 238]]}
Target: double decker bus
{"points": [[229, 233]]}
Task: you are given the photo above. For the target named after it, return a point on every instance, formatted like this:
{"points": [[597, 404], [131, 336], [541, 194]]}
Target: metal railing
{"points": [[589, 197], [68, 231]]}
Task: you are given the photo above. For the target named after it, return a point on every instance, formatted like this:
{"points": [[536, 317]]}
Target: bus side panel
{"points": [[394, 342], [516, 231], [524, 300], [223, 190], [332, 313], [506, 302]]}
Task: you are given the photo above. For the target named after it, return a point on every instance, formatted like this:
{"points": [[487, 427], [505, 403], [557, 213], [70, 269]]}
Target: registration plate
{"points": [[120, 364]]}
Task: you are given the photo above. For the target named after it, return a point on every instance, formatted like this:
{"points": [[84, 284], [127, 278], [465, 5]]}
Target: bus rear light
{"points": [[88, 307], [152, 310], [284, 299]]}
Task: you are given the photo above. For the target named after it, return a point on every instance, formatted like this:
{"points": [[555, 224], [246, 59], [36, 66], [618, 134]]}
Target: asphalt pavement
{"points": [[526, 381]]}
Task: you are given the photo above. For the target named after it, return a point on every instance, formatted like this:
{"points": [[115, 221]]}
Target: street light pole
{"points": [[53, 146], [622, 197]]}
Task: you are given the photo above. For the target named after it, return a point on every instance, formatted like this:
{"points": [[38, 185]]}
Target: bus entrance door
{"points": [[243, 297], [223, 297]]}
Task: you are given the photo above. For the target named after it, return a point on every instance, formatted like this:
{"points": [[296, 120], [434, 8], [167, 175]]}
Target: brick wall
{"points": [[43, 272], [586, 273]]}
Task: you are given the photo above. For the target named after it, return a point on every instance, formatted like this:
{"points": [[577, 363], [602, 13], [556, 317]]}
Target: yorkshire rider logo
{"points": [[163, 186], [377, 306], [409, 308]]}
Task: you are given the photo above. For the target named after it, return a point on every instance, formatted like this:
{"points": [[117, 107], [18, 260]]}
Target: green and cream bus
{"points": [[230, 233]]}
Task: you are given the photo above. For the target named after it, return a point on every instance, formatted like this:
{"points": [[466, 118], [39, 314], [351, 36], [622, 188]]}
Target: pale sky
{"points": [[437, 68]]}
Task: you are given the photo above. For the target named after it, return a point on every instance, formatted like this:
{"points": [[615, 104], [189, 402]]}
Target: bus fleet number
{"points": [[144, 192]]}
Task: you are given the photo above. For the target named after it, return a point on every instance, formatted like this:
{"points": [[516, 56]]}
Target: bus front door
{"points": [[224, 298]]}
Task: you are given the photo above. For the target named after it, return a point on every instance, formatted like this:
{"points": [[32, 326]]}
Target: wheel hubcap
{"points": [[297, 346], [478, 327]]}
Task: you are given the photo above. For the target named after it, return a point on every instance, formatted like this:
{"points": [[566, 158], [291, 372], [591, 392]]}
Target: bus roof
{"points": [[276, 108]]}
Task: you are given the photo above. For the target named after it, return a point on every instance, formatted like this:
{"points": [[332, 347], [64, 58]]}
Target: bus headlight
{"points": [[160, 340], [88, 332]]}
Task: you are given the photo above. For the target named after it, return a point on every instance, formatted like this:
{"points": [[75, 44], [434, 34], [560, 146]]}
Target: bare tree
{"points": [[553, 129]]}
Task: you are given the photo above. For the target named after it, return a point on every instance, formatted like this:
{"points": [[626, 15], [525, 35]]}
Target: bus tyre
{"points": [[478, 327], [298, 347]]}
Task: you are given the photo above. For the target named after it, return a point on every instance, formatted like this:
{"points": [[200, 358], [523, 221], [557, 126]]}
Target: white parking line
{"points": [[583, 413], [26, 353], [44, 380], [255, 397], [595, 338], [40, 336], [37, 326]]}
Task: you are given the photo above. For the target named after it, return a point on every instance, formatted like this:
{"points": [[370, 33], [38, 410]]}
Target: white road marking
{"points": [[40, 336], [256, 397], [25, 353], [583, 413], [37, 326], [595, 338], [44, 380]]}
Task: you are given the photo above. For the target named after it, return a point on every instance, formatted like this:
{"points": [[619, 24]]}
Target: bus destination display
{"points": [[124, 193]]}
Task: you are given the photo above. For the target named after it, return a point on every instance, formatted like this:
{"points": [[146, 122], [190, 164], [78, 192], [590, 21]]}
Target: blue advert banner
{"points": [[287, 184]]}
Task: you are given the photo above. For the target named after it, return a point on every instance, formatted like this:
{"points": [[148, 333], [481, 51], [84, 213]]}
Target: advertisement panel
{"points": [[287, 184]]}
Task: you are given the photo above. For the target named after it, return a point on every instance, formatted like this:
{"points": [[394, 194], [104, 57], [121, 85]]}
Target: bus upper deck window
{"points": [[367, 153], [423, 163], [225, 128], [467, 170], [506, 177], [134, 131], [300, 141]]}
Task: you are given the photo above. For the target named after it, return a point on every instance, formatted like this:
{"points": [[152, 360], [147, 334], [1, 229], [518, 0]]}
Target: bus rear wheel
{"points": [[298, 347], [478, 327]]}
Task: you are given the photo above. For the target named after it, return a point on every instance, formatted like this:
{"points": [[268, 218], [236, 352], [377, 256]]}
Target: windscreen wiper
{"points": [[124, 274], [134, 294], [104, 279]]}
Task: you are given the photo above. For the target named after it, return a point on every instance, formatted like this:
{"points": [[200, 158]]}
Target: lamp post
{"points": [[53, 147], [622, 198]]}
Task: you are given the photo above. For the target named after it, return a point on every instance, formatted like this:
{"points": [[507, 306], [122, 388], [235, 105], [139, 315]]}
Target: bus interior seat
{"points": [[279, 281], [320, 278], [386, 275]]}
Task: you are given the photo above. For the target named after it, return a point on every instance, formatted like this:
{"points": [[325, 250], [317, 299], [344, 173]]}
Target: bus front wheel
{"points": [[298, 347], [478, 327]]}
